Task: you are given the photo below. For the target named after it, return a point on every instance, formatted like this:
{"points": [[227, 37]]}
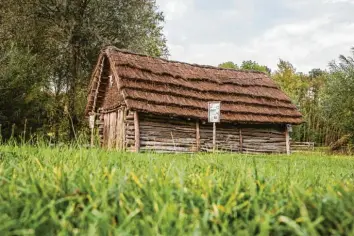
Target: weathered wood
{"points": [[141, 132], [137, 131], [197, 131], [168, 134], [241, 142], [118, 130], [124, 114], [106, 130], [287, 141], [111, 132]]}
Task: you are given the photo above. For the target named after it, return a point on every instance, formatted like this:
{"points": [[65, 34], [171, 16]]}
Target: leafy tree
{"points": [[21, 96], [252, 65], [228, 65], [246, 65], [339, 99], [66, 36]]}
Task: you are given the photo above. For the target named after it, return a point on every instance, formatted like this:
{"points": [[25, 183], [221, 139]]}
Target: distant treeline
{"points": [[324, 96]]}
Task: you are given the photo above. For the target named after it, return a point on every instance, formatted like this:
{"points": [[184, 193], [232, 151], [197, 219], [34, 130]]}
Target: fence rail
{"points": [[302, 146]]}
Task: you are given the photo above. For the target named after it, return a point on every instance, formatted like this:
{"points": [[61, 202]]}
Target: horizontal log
{"points": [[166, 148], [156, 144]]}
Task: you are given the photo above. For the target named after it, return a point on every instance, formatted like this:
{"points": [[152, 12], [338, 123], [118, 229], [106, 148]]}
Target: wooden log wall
{"points": [[227, 137], [164, 134], [263, 140], [243, 139], [130, 132], [114, 130]]}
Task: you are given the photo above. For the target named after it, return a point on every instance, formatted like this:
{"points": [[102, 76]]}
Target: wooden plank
{"points": [[287, 141], [115, 124], [122, 125], [137, 131], [111, 130], [241, 142], [106, 130], [118, 130], [197, 135]]}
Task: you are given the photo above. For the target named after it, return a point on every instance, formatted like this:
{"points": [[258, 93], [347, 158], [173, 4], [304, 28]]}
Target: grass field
{"points": [[66, 191]]}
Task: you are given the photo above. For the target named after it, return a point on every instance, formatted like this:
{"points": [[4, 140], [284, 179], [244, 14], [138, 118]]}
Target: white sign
{"points": [[92, 121], [214, 112]]}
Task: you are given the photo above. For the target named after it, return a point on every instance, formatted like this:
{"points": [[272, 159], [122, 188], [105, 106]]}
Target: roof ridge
{"points": [[126, 51]]}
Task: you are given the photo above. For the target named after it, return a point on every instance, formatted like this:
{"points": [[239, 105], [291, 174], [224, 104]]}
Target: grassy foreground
{"points": [[68, 191]]}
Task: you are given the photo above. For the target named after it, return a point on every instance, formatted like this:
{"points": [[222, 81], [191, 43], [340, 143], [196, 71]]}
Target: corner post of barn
{"points": [[137, 131], [197, 133], [92, 128], [288, 129]]}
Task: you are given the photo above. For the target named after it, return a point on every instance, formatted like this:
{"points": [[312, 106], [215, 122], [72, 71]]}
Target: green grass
{"points": [[67, 191]]}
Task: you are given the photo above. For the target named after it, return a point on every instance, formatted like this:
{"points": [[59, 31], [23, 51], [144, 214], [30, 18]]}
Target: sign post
{"points": [[214, 117]]}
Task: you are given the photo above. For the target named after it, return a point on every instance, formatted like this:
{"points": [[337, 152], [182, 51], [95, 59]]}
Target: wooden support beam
{"points": [[118, 130], [287, 140], [241, 141], [137, 131], [197, 130], [123, 127]]}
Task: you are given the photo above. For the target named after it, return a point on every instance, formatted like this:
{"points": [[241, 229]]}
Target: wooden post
{"points": [[241, 141], [214, 136], [92, 128], [197, 135], [137, 132], [287, 140], [118, 130], [123, 126]]}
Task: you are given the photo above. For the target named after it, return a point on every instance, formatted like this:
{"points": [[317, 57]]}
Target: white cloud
{"points": [[340, 1], [308, 33], [175, 9]]}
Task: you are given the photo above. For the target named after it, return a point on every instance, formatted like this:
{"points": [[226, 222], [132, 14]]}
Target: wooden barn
{"points": [[142, 103]]}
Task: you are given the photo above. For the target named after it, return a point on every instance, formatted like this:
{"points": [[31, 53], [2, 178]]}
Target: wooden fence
{"points": [[302, 146]]}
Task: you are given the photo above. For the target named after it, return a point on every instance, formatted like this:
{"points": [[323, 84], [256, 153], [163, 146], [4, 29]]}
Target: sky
{"points": [[307, 33]]}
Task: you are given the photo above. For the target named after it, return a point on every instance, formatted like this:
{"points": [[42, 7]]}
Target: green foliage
{"points": [[65, 191], [21, 96], [65, 38], [246, 65], [252, 65], [228, 65], [292, 83], [339, 99]]}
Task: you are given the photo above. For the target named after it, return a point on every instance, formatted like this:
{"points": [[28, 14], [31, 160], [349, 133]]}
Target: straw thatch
{"points": [[159, 86]]}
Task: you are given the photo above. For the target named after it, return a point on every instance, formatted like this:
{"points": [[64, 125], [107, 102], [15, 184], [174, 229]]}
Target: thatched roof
{"points": [[155, 85]]}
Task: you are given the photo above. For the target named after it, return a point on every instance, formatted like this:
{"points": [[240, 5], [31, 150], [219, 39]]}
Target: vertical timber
{"points": [[287, 140], [137, 131], [241, 141], [197, 130]]}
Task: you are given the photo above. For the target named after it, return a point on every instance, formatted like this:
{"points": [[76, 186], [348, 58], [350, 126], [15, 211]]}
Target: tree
{"points": [[246, 65], [21, 97], [66, 37], [252, 65], [228, 65], [339, 99]]}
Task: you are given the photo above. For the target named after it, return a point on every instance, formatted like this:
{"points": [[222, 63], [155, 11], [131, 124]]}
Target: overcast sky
{"points": [[308, 33]]}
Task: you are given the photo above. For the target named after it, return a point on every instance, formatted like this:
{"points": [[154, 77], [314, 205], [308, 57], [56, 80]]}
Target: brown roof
{"points": [[155, 85]]}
